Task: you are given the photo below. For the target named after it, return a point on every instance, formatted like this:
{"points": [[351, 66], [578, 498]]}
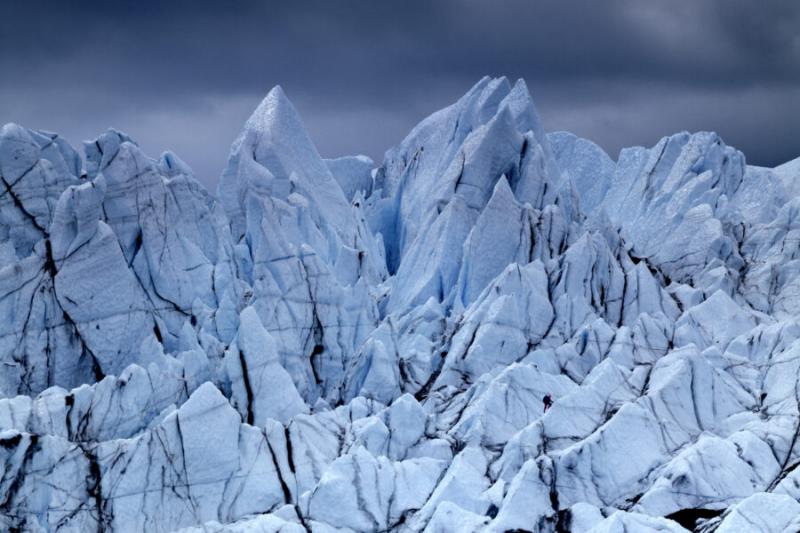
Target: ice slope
{"points": [[327, 346]]}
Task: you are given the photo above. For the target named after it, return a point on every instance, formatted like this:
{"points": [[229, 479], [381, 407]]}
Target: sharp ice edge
{"points": [[333, 347]]}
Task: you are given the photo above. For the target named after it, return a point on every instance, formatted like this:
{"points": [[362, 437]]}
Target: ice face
{"points": [[329, 346]]}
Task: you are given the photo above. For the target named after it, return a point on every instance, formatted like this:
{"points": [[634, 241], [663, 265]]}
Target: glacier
{"points": [[332, 345]]}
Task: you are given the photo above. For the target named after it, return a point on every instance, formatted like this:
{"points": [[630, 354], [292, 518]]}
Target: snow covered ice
{"points": [[333, 346]]}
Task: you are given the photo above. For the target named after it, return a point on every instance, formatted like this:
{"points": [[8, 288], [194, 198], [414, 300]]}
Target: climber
{"points": [[548, 401]]}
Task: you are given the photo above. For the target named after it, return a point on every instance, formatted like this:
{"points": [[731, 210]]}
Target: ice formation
{"points": [[327, 346]]}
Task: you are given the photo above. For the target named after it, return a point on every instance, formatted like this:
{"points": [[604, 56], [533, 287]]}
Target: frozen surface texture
{"points": [[328, 346]]}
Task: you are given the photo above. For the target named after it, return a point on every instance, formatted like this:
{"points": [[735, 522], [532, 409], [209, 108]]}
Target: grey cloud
{"points": [[183, 75]]}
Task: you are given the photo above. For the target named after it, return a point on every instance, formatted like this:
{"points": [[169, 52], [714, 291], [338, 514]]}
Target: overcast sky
{"points": [[185, 75]]}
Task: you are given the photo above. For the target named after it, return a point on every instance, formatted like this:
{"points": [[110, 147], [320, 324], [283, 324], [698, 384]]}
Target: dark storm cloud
{"points": [[184, 75]]}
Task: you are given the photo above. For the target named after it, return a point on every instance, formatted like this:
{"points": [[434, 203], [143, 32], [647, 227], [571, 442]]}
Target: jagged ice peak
{"points": [[494, 329]]}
